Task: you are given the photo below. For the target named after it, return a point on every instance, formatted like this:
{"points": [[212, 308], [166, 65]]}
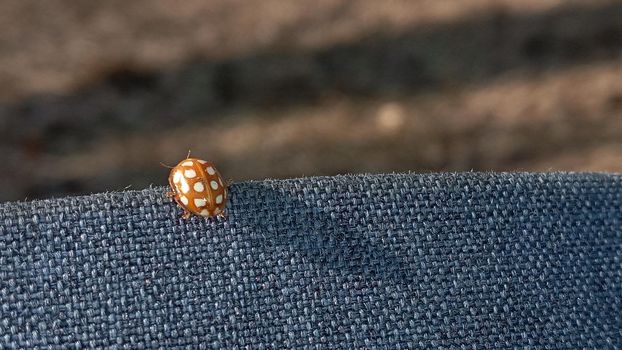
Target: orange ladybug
{"points": [[198, 188]]}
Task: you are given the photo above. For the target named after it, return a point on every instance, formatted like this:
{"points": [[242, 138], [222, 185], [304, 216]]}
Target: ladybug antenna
{"points": [[166, 166], [188, 156]]}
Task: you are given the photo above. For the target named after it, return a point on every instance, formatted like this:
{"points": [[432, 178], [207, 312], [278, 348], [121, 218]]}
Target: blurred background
{"points": [[94, 95]]}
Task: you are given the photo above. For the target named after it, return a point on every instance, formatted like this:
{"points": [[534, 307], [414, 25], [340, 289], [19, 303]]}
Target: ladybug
{"points": [[198, 188]]}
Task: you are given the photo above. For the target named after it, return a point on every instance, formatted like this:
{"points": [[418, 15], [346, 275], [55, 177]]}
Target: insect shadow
{"points": [[313, 224]]}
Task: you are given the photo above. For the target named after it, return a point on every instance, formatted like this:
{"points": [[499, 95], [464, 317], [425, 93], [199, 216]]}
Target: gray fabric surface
{"points": [[395, 261]]}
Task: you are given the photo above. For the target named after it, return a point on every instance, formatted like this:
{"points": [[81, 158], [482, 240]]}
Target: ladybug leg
{"points": [[170, 194], [186, 215], [222, 215]]}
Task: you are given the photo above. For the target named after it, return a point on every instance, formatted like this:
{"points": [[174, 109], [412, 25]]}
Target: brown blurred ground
{"points": [[95, 94]]}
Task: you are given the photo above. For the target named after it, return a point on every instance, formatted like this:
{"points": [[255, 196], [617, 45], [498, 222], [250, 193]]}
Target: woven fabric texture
{"points": [[387, 261]]}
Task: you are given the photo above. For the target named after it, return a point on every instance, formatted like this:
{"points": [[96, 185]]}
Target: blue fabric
{"points": [[390, 261]]}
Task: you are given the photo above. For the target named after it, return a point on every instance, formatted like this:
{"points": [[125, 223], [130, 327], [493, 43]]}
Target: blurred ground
{"points": [[94, 95]]}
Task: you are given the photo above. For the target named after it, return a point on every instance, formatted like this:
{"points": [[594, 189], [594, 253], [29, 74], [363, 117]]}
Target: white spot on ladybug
{"points": [[190, 173], [188, 163], [199, 187], [177, 176], [214, 185], [200, 202], [211, 170], [219, 199], [201, 161], [184, 187], [184, 200], [204, 212]]}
